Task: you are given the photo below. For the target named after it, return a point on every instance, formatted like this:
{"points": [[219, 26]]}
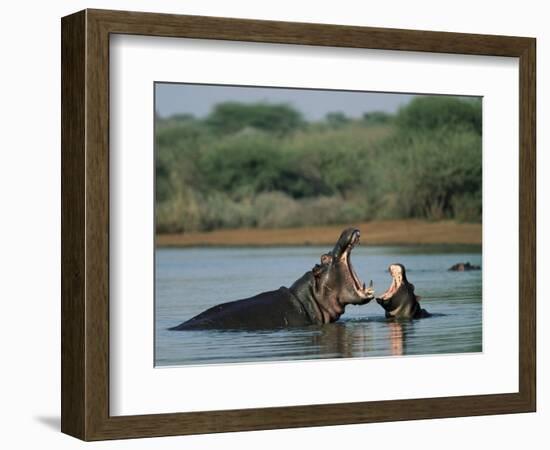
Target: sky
{"points": [[196, 99]]}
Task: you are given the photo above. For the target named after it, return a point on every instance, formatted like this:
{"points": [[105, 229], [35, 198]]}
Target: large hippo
{"points": [[318, 297], [400, 301]]}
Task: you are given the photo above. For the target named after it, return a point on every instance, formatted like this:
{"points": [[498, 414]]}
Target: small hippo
{"points": [[400, 301], [463, 267], [320, 296]]}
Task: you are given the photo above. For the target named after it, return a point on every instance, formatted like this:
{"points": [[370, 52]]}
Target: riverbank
{"points": [[387, 232]]}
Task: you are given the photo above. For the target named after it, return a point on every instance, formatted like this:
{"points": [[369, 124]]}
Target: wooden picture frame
{"points": [[85, 224]]}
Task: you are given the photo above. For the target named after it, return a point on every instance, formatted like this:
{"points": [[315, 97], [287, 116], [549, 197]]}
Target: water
{"points": [[188, 281]]}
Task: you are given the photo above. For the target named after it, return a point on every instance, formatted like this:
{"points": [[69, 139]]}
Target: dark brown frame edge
{"points": [[85, 224]]}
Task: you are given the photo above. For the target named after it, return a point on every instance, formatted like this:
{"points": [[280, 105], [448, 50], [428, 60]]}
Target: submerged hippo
{"points": [[463, 267], [400, 301], [318, 297]]}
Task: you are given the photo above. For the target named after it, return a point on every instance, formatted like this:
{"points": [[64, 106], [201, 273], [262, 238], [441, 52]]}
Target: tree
{"points": [[336, 119], [440, 112], [231, 117], [376, 117]]}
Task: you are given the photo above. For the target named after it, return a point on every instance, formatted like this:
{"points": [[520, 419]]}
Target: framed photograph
{"points": [[218, 177]]}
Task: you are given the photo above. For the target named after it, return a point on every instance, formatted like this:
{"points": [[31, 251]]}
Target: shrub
{"points": [[231, 117], [441, 112], [425, 173], [243, 167]]}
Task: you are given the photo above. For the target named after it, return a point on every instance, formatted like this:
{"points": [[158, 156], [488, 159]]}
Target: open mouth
{"points": [[397, 280], [359, 286]]}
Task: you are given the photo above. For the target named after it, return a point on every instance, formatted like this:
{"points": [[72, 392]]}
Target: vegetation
{"points": [[261, 165]]}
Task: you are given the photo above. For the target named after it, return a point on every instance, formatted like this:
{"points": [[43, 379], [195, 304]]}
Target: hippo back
{"points": [[268, 310]]}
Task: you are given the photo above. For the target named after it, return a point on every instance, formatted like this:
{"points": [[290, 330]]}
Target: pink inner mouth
{"points": [[359, 286], [391, 290], [397, 280]]}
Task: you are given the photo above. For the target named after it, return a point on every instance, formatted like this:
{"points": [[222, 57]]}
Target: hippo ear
{"points": [[316, 270]]}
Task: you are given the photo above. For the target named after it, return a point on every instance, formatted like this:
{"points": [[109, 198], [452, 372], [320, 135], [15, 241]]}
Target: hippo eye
{"points": [[325, 259]]}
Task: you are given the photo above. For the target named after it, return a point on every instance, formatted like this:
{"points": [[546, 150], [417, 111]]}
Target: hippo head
{"points": [[399, 281], [336, 283], [400, 301]]}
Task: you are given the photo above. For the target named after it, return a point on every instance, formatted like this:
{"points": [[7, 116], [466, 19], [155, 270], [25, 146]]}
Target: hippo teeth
{"points": [[358, 285], [394, 286], [354, 277]]}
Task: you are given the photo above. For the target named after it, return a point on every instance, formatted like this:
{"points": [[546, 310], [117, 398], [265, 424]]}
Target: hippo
{"points": [[400, 301], [463, 267], [318, 297]]}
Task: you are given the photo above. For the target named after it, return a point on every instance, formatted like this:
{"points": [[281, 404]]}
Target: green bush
{"points": [[424, 174], [377, 118], [441, 112], [336, 119], [231, 117], [242, 165], [260, 166]]}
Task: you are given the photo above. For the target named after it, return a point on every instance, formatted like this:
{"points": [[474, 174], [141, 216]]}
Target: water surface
{"points": [[190, 280]]}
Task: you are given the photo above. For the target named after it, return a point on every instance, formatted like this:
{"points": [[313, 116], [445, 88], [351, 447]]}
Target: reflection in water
{"points": [[341, 340], [191, 280], [396, 338], [347, 341]]}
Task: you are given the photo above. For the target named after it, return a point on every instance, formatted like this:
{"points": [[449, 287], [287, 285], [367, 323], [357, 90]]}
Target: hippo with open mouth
{"points": [[400, 301], [320, 296]]}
